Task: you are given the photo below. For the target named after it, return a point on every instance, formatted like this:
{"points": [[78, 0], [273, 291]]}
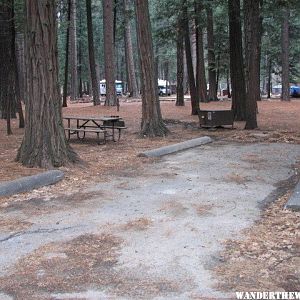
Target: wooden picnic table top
{"points": [[92, 118]]}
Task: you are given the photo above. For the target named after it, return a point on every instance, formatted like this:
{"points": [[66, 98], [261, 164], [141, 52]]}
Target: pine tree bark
{"points": [[212, 92], [200, 65], [20, 63], [44, 143], [259, 45], [132, 83], [186, 87], [152, 123], [115, 5], [166, 75], [228, 84], [128, 85], [19, 106], [95, 81], [16, 72], [217, 72], [193, 42], [248, 31], [122, 69], [180, 63], [236, 61], [109, 51], [189, 62], [269, 83], [73, 53], [251, 13], [66, 72], [285, 95], [79, 67], [7, 63]]}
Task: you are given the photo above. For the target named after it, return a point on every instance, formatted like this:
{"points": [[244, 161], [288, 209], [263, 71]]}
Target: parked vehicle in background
{"points": [[294, 90], [118, 85], [164, 88], [163, 91]]}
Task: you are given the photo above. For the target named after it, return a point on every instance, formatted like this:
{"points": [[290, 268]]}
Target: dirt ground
{"points": [[152, 233], [278, 118], [268, 259], [269, 248]]}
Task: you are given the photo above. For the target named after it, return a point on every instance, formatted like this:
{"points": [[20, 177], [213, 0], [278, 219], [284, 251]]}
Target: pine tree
{"points": [[152, 123], [109, 51], [44, 143]]}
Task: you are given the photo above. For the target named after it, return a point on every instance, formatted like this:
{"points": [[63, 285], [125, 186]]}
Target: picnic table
{"points": [[98, 125]]}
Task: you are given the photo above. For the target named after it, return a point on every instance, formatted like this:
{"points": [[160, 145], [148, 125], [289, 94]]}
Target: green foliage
{"points": [[271, 39], [82, 40], [164, 18], [19, 15]]}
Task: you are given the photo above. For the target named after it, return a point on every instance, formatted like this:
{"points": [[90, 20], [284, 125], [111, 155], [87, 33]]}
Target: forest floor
{"points": [[278, 122], [268, 248]]}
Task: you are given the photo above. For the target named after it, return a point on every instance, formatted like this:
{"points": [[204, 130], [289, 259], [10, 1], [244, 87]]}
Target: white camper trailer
{"points": [[118, 85], [163, 90]]}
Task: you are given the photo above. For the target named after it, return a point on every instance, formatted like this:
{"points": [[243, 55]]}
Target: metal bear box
{"points": [[215, 118]]}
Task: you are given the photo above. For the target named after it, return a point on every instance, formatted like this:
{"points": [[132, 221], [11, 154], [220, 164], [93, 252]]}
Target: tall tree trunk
{"points": [[132, 83], [285, 95], [180, 63], [95, 81], [260, 33], [248, 31], [193, 43], [228, 84], [8, 117], [186, 87], [236, 61], [217, 73], [44, 143], [269, 83], [20, 110], [115, 4], [109, 51], [73, 52], [189, 62], [212, 95], [7, 63], [16, 72], [88, 89], [66, 72], [166, 76], [156, 61], [152, 123], [252, 13], [80, 90], [20, 63], [127, 80], [200, 66], [122, 70]]}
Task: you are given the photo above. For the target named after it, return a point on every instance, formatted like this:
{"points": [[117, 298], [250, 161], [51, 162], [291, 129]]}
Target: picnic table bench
{"points": [[98, 125]]}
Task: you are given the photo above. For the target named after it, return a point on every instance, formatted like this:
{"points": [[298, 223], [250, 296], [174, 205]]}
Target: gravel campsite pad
{"points": [[153, 232]]}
